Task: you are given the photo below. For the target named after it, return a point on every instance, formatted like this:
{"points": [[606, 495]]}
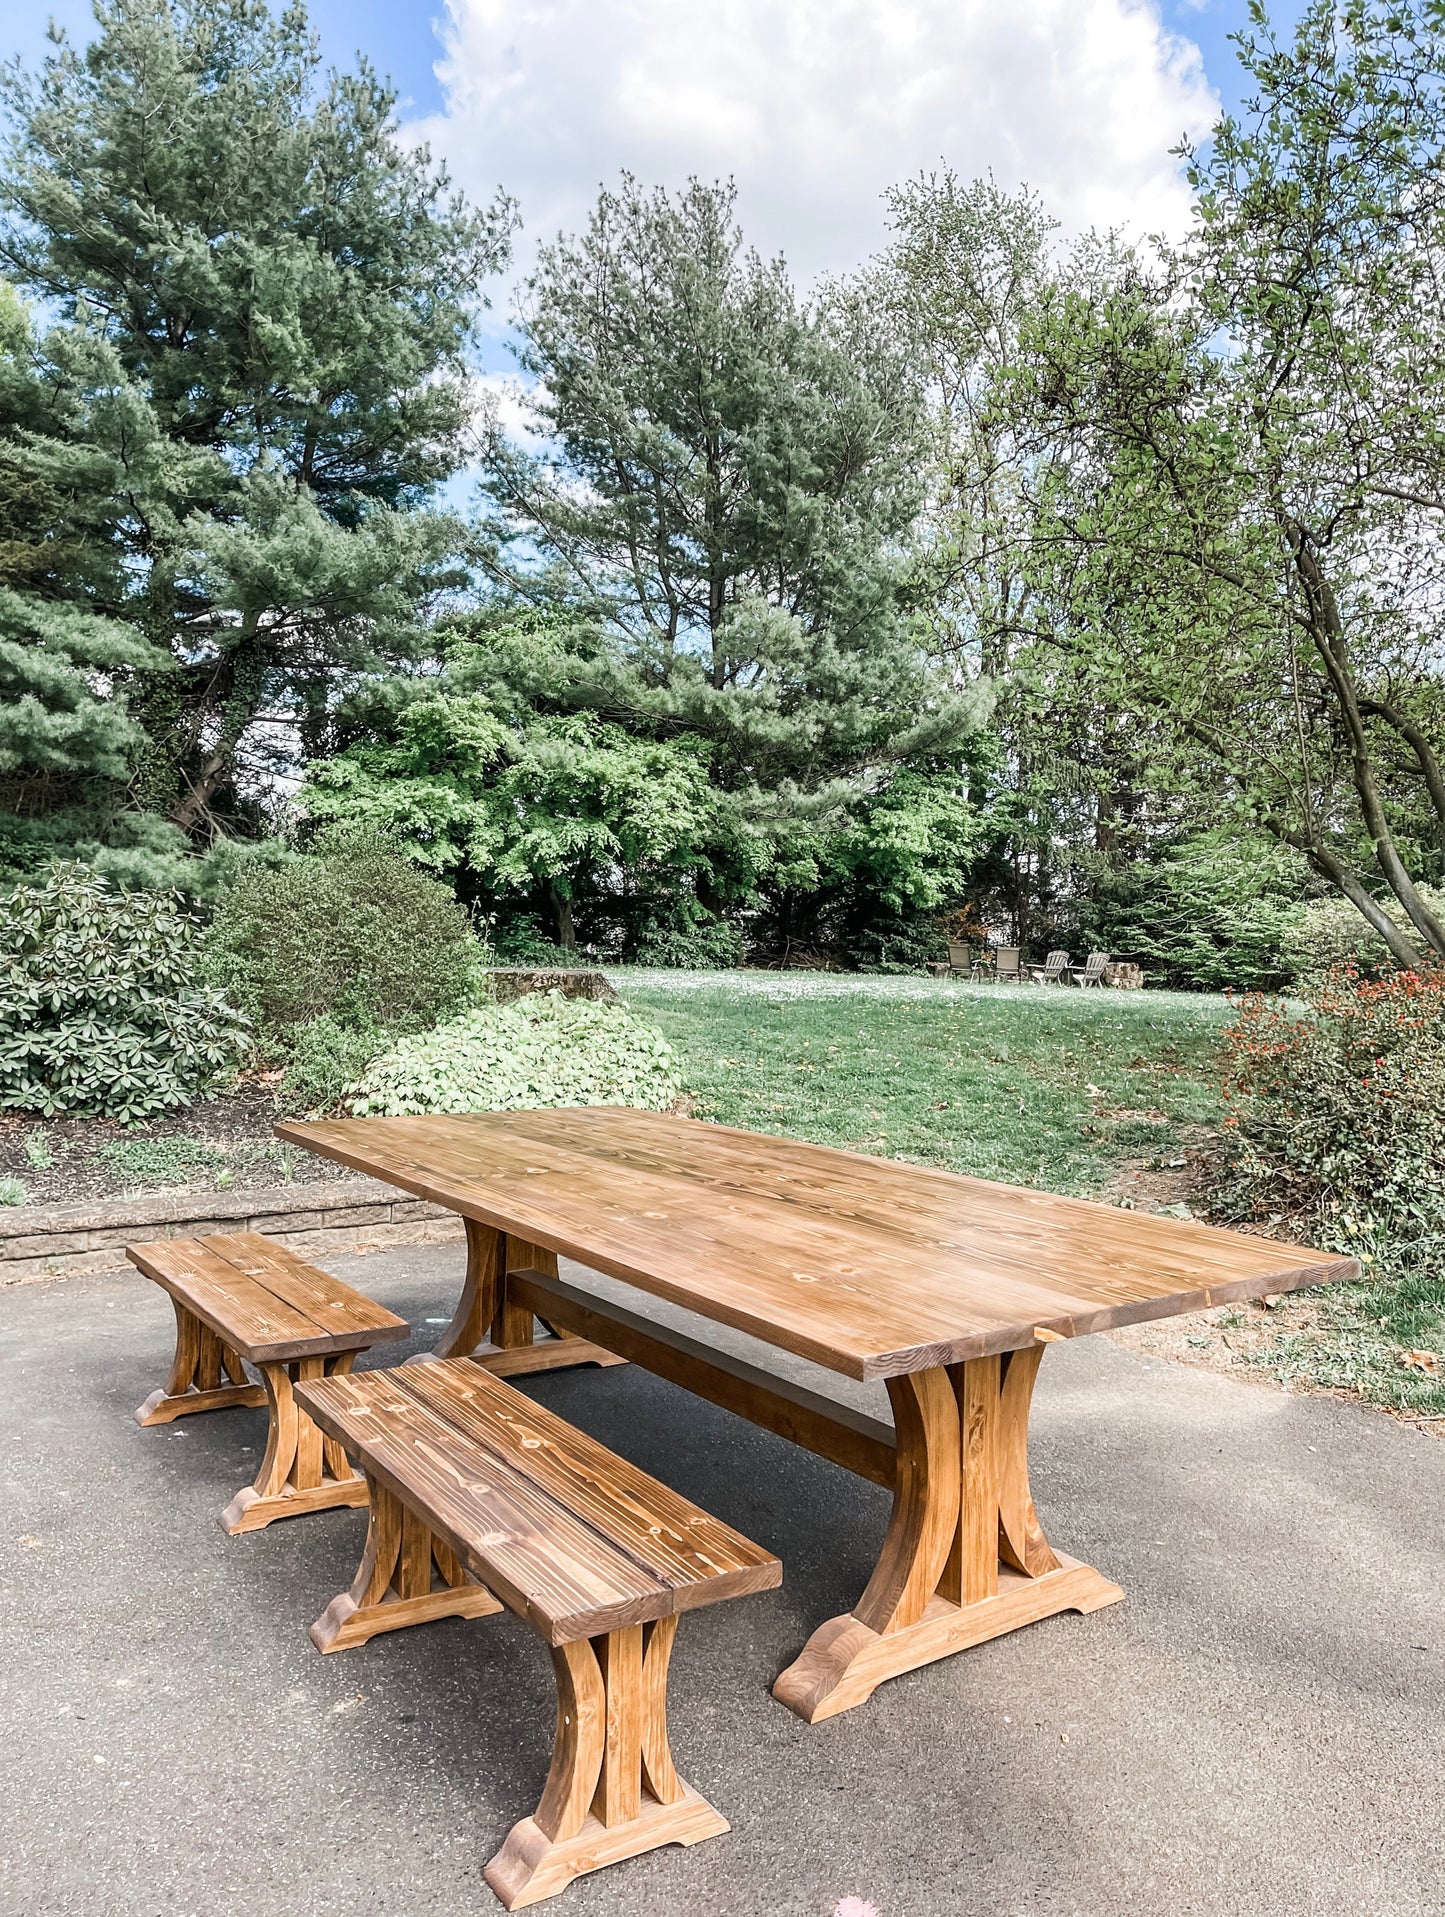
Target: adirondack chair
{"points": [[1007, 969], [1054, 971], [1093, 972]]}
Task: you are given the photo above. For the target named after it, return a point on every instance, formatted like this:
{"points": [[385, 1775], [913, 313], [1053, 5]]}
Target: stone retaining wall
{"points": [[336, 1219]]}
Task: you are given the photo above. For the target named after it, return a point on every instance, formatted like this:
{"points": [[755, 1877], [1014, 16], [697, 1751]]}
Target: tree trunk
{"points": [[562, 912], [1431, 770], [1327, 632]]}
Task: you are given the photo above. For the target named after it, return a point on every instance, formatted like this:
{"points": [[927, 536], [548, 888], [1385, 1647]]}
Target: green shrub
{"points": [[1337, 1113], [352, 933], [1330, 933], [327, 1058], [704, 945], [102, 1004], [12, 1191], [1216, 912], [540, 1050]]}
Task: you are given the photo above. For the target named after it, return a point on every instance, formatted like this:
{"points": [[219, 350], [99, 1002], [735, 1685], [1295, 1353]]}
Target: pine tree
{"points": [[67, 742], [728, 491], [280, 296]]}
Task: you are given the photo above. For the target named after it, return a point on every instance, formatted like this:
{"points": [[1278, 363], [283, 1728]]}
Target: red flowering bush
{"points": [[1338, 1110]]}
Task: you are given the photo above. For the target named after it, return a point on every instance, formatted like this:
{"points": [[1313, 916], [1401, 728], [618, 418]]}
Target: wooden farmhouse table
{"points": [[945, 1288]]}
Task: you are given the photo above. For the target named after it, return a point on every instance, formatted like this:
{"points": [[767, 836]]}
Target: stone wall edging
{"points": [[335, 1219]]}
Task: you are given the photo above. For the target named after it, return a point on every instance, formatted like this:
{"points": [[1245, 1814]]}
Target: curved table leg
{"points": [[490, 1328], [961, 1503]]}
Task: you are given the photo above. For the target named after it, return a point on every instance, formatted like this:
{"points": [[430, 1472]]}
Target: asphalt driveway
{"points": [[1260, 1728]]}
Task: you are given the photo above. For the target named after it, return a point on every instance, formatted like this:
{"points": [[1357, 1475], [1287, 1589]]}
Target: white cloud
{"points": [[816, 106]]}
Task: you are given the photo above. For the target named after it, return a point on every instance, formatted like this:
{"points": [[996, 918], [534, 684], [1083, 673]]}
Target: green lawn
{"points": [[1041, 1086], [1045, 1086]]}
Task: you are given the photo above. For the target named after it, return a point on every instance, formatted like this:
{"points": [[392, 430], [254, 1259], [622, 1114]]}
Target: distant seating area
{"points": [[1004, 965]]}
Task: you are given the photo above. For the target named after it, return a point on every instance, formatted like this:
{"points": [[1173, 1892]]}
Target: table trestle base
{"points": [[845, 1661], [838, 1432], [612, 1791], [493, 1329], [965, 1558], [408, 1576]]}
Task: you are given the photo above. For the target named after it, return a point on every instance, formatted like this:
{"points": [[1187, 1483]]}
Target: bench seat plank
{"points": [[262, 1300], [699, 1557], [545, 1516], [550, 1568]]}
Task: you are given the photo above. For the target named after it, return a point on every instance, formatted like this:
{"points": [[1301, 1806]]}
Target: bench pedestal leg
{"points": [[302, 1470], [965, 1558], [612, 1791], [494, 1331], [197, 1370], [408, 1575]]}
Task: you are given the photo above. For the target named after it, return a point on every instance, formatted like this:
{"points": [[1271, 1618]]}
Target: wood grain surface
{"points": [[869, 1267], [262, 1300], [571, 1537]]}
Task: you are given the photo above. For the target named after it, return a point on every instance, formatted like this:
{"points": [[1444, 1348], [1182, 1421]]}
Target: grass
{"points": [[1375, 1341], [1044, 1087], [1033, 1086]]}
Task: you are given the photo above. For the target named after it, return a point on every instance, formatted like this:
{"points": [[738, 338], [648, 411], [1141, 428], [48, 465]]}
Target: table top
{"points": [[867, 1266]]}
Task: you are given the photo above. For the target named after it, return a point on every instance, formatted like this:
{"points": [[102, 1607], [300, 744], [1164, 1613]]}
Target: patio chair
{"points": [[1054, 970], [960, 959], [1093, 972], [1007, 966]]}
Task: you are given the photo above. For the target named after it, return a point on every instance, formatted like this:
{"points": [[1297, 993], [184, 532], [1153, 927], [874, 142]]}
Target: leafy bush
{"points": [[102, 1004], [705, 945], [352, 933], [540, 1050], [327, 1058], [1216, 912], [1330, 933], [1338, 1113]]}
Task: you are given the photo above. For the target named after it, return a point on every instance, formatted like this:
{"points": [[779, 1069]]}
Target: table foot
{"points": [[494, 1330], [547, 1354], [845, 1660], [965, 1557]]}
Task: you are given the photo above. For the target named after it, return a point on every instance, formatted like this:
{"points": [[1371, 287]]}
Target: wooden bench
{"points": [[477, 1490], [239, 1300]]}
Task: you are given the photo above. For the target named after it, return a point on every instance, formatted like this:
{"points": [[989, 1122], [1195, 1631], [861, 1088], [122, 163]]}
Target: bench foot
{"points": [[408, 1575], [612, 1791], [302, 1470], [531, 1867], [195, 1383]]}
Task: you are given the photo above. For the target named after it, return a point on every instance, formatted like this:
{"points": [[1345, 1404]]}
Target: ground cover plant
{"points": [[218, 1143], [538, 1050]]}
